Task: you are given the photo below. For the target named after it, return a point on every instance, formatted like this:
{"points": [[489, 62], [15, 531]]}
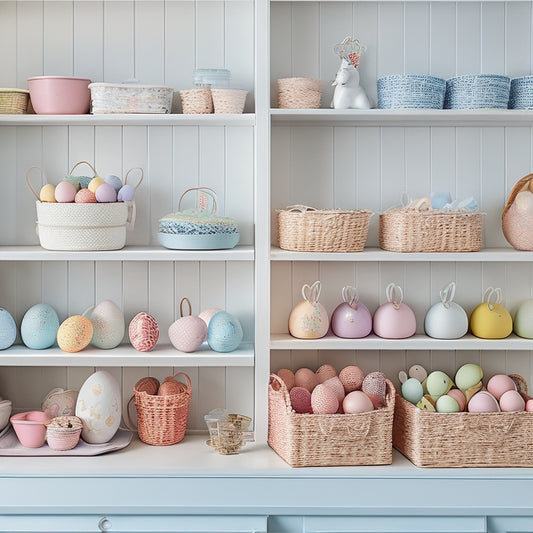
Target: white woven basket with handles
{"points": [[83, 226]]}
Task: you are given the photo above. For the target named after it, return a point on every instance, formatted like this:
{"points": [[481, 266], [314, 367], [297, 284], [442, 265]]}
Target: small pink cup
{"points": [[30, 428]]}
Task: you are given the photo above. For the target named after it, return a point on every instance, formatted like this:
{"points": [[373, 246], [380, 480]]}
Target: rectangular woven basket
{"points": [[305, 229], [460, 440], [413, 230], [328, 440], [130, 98]]}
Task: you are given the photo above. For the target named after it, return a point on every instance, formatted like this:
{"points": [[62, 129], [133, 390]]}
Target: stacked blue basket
{"points": [[411, 91], [521, 96], [477, 91]]}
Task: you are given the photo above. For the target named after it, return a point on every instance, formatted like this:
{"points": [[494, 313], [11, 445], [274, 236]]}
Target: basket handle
{"points": [[281, 391], [181, 306], [44, 179], [132, 213], [130, 170], [330, 426], [490, 426], [208, 191], [186, 377], [300, 208], [86, 163]]}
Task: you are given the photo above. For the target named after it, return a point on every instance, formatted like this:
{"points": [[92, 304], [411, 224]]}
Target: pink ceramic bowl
{"points": [[59, 95], [30, 428]]}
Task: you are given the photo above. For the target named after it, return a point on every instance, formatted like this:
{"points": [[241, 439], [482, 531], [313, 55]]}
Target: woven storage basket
{"points": [[196, 101], [13, 101], [411, 91], [433, 230], [477, 92], [521, 93], [130, 98], [305, 229], [83, 226], [463, 439], [229, 100], [328, 440], [162, 420], [299, 93]]}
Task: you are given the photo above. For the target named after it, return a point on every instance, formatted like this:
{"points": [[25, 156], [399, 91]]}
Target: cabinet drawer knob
{"points": [[104, 524]]}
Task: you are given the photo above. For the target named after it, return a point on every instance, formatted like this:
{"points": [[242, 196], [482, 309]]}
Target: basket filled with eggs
{"points": [[465, 422], [84, 213], [327, 419]]}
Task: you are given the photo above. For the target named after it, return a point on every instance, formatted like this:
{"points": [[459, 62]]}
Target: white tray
{"points": [[10, 445]]}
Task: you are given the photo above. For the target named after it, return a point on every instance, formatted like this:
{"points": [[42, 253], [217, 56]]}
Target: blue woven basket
{"points": [[411, 91], [477, 91], [521, 95]]}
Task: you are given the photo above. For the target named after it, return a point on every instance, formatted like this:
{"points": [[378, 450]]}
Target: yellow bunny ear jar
{"points": [[309, 318], [490, 319]]}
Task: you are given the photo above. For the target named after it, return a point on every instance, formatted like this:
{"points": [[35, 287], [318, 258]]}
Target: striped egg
{"points": [[143, 332]]}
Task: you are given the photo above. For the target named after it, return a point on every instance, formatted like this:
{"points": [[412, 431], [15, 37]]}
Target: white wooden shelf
{"points": [[284, 341], [376, 254], [125, 355], [129, 253], [133, 119], [402, 117]]}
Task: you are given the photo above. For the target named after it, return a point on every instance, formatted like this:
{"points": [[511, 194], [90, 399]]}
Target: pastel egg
{"points": [[114, 181], [150, 385], [483, 402], [207, 314], [351, 377], [459, 397], [499, 384], [108, 324], [85, 196], [74, 334], [529, 405], [170, 387], [375, 387], [438, 383], [325, 372], [75, 180], [187, 333], [224, 333], [412, 390], [99, 406], [512, 401], [95, 183], [65, 192], [126, 193], [85, 180], [8, 329], [105, 193], [306, 378], [468, 375], [394, 322], [351, 323], [334, 383], [324, 400], [300, 400], [47, 193], [447, 404], [143, 332], [308, 321], [39, 326], [357, 402], [287, 376]]}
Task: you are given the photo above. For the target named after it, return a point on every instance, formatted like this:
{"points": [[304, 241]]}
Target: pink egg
{"points": [[325, 372], [512, 401], [357, 402], [306, 378], [85, 196], [300, 400], [65, 192], [483, 402], [459, 397], [352, 378], [207, 314], [392, 322], [287, 376], [336, 386], [499, 384], [324, 400], [375, 387], [529, 405], [106, 194]]}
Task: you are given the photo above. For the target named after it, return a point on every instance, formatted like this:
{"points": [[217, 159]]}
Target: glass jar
{"points": [[216, 78]]}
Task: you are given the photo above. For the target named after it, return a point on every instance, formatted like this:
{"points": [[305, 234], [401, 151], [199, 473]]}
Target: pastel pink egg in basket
{"points": [[30, 428], [59, 95]]}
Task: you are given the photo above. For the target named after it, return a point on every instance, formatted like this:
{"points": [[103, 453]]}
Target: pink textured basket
{"points": [[59, 95]]}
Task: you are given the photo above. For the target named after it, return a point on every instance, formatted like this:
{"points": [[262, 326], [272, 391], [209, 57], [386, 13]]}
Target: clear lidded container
{"points": [[216, 78]]}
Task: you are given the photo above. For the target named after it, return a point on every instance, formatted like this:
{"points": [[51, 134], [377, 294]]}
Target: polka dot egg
{"points": [[74, 334]]}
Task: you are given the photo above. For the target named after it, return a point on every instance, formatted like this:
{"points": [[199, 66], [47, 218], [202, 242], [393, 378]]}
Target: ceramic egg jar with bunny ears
{"points": [[309, 318], [490, 319], [446, 319], [394, 319], [351, 319]]}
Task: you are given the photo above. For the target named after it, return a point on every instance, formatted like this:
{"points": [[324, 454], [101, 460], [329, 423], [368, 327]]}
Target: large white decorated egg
{"points": [[99, 407]]}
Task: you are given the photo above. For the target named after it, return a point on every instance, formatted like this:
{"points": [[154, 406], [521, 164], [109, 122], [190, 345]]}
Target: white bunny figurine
{"points": [[348, 93]]}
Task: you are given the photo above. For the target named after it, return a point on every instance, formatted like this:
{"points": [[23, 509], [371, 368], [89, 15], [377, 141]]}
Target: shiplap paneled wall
{"points": [[155, 42], [371, 167]]}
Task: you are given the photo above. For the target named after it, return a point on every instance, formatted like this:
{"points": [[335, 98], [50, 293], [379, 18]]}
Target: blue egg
{"points": [[114, 181], [224, 333], [8, 329], [126, 193], [39, 326], [84, 181]]}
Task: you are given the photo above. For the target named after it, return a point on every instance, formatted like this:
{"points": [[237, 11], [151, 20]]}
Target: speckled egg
{"points": [[512, 401], [357, 402], [99, 407], [74, 334], [308, 321], [85, 196], [300, 400], [287, 376], [126, 194], [114, 181], [95, 183], [306, 378], [108, 324], [483, 402], [375, 387], [48, 193], [8, 329], [105, 194], [224, 333], [324, 400], [325, 372], [187, 333], [499, 384], [351, 377], [143, 332], [39, 327], [65, 192]]}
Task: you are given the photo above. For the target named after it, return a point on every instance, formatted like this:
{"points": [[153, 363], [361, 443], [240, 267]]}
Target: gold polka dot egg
{"points": [[74, 334]]}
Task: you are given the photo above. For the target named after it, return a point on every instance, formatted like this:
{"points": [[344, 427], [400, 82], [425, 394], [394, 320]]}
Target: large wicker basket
{"points": [[305, 229], [463, 439], [162, 420], [433, 230], [328, 440]]}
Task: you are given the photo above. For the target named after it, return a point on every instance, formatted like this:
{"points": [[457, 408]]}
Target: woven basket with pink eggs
{"points": [[84, 212], [325, 418], [465, 422]]}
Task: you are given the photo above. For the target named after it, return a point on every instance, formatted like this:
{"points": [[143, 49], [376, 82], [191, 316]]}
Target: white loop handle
{"points": [[313, 292], [489, 293], [447, 294], [391, 291], [350, 296]]}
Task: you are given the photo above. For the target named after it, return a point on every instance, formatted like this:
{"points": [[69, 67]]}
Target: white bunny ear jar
{"points": [[446, 319], [309, 318]]}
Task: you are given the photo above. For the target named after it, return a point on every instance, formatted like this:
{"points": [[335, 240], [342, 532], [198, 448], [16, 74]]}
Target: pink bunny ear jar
{"points": [[394, 319], [351, 319], [446, 319], [309, 318]]}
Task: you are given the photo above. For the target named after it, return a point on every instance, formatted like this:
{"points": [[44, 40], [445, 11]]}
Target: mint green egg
{"points": [[523, 321], [75, 180], [412, 390], [468, 375], [447, 404], [438, 383]]}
